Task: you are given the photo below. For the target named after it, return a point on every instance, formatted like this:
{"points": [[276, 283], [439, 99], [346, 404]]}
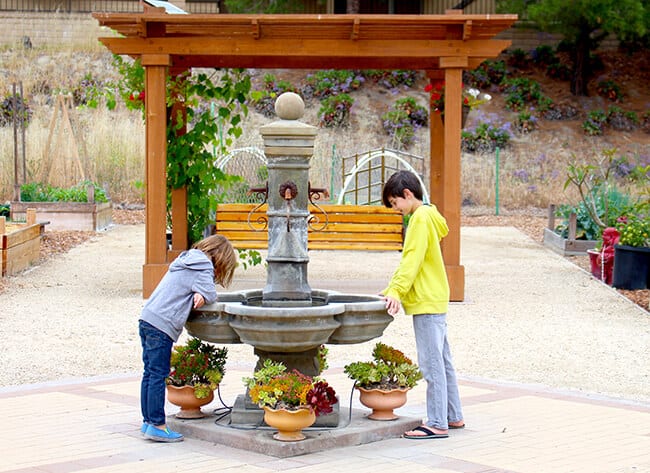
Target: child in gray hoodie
{"points": [[189, 283]]}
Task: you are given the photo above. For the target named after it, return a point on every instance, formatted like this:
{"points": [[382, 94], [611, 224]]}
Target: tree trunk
{"points": [[580, 74], [221, 5], [352, 6]]}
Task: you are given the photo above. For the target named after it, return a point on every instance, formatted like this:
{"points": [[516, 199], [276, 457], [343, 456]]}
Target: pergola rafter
{"points": [[442, 45]]}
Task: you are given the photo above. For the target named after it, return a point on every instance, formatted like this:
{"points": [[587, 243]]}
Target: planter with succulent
{"points": [[197, 368], [384, 382], [632, 253], [291, 400]]}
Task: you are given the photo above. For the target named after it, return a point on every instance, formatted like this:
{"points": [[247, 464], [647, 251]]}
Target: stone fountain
{"points": [[287, 320]]}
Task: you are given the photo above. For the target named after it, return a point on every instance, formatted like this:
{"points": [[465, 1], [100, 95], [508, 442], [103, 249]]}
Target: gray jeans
{"points": [[436, 365]]}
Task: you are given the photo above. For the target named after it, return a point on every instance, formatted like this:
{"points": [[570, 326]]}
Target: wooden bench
{"points": [[349, 227]]}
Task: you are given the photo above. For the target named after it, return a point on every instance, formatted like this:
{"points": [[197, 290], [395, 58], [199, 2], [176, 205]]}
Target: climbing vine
{"points": [[210, 116]]}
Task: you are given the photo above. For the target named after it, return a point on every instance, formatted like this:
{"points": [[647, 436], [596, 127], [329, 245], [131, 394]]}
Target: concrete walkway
{"points": [[535, 398]]}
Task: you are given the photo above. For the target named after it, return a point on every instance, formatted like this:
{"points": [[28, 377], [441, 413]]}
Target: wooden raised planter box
{"points": [[80, 216], [21, 244], [565, 246]]}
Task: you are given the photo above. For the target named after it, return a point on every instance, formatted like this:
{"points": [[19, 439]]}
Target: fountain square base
{"points": [[354, 429]]}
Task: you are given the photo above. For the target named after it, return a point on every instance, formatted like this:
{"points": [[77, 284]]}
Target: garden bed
{"points": [[21, 244], [79, 216]]}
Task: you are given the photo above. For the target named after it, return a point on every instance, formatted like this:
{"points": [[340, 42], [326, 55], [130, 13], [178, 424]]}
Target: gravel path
{"points": [[530, 316]]}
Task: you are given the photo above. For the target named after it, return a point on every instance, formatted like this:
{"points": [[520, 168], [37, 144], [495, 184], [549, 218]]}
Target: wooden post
{"points": [[31, 216], [155, 173], [3, 227], [451, 178]]}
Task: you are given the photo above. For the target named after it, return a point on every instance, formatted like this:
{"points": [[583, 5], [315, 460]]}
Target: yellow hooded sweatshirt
{"points": [[420, 280]]}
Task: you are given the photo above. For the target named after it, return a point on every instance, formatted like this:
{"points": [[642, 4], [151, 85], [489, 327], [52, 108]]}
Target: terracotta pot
{"points": [[289, 423], [382, 402], [190, 405]]}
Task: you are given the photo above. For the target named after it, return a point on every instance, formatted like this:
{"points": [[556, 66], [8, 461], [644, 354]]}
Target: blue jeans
{"points": [[434, 360], [156, 354]]}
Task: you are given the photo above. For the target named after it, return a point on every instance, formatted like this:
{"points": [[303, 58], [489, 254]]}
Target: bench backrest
{"points": [[349, 227]]}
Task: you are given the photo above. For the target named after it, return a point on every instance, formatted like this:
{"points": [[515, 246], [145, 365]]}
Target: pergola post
{"points": [[155, 264], [451, 172]]}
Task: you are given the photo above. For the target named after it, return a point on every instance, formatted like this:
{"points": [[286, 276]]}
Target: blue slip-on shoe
{"points": [[162, 435], [143, 428]]}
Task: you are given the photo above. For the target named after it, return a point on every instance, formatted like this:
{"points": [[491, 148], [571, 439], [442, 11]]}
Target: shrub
{"points": [[392, 79], [39, 192], [595, 123], [485, 138], [622, 120], [335, 111], [487, 73], [525, 122], [523, 92], [14, 104], [560, 111], [610, 90], [543, 55], [264, 100], [559, 71], [329, 83], [518, 58]]}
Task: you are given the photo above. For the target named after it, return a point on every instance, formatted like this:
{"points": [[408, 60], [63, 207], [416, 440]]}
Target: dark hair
{"points": [[222, 255], [398, 183]]}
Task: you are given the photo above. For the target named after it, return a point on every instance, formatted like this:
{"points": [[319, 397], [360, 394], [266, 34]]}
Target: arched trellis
{"points": [[442, 45], [372, 155]]}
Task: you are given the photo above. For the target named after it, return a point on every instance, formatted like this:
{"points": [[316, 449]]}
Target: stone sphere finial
{"points": [[289, 106]]}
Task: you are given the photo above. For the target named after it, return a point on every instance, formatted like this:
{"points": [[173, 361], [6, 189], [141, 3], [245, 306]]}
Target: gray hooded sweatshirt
{"points": [[171, 302]]}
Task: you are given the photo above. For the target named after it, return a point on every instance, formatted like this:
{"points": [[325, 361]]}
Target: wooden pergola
{"points": [[442, 45]]}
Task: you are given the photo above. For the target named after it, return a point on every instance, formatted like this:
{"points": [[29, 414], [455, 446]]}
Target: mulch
{"points": [[55, 243]]}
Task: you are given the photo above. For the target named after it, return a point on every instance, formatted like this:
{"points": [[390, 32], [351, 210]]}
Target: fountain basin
{"points": [[333, 318]]}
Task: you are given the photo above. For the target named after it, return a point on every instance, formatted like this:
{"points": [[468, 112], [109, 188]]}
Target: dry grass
{"points": [[531, 171]]}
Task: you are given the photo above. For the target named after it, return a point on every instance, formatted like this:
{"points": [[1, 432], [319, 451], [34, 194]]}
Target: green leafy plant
{"points": [[205, 113], [390, 369], [198, 364], [484, 138], [335, 111], [40, 192], [634, 230], [274, 387], [406, 116], [601, 201], [522, 92], [595, 122], [610, 90]]}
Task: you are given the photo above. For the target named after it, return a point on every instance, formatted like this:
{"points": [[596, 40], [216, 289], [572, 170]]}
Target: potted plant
{"points": [[291, 400], [632, 253], [197, 368], [471, 98], [384, 382]]}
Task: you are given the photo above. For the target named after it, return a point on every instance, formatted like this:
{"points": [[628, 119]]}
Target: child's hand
{"points": [[392, 305], [199, 301]]}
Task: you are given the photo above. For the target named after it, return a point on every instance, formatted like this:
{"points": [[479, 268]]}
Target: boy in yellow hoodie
{"points": [[420, 285]]}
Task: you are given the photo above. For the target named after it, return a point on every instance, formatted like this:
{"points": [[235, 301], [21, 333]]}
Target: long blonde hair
{"points": [[222, 255]]}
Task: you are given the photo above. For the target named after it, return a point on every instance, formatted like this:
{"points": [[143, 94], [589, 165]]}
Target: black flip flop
{"points": [[428, 434]]}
